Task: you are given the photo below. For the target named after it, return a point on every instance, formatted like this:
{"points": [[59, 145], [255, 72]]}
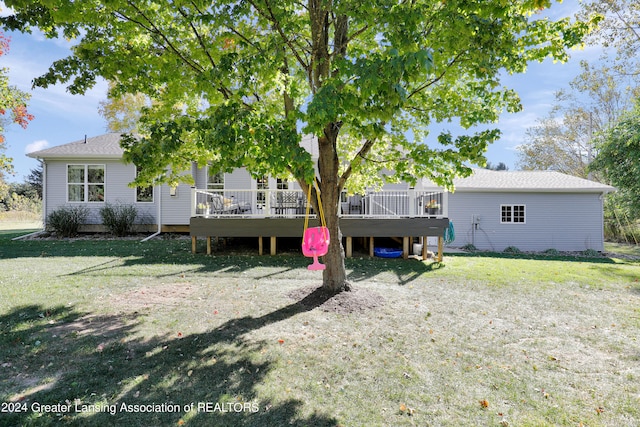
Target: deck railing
{"points": [[293, 203]]}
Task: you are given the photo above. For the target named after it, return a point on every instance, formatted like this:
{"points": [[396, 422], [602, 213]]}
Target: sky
{"points": [[61, 118]]}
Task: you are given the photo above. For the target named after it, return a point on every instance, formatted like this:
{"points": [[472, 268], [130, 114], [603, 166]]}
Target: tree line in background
{"points": [[24, 200], [593, 129]]}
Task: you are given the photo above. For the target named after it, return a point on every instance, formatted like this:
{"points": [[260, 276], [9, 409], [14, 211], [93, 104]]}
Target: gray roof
{"points": [[527, 181], [108, 146], [101, 147], [482, 180]]}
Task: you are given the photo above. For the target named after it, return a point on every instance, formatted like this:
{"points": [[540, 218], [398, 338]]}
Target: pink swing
{"points": [[315, 243], [315, 240]]}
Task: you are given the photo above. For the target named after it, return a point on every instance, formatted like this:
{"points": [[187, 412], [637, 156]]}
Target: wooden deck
{"points": [[370, 228]]}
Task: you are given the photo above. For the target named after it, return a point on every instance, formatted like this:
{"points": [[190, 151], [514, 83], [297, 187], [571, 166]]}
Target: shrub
{"points": [[512, 250], [552, 252], [591, 253], [469, 247], [66, 221], [118, 219]]}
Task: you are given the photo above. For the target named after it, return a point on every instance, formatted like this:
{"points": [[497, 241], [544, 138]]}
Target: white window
{"points": [[281, 184], [144, 194], [215, 180], [262, 183], [85, 183], [512, 214]]}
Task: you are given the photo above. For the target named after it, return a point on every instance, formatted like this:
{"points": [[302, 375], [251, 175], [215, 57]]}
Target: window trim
{"points": [[153, 191], [85, 184], [220, 186], [282, 184], [512, 215]]}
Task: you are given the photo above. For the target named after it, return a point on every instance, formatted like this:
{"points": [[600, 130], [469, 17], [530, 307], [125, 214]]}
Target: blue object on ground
{"points": [[387, 252]]}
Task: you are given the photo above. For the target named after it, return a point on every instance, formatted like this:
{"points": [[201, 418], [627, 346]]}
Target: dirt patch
{"points": [[358, 299], [174, 294]]}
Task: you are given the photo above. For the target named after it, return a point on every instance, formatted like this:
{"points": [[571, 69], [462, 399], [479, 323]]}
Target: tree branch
{"points": [[627, 24], [226, 93], [437, 79], [271, 17], [364, 150], [155, 30]]}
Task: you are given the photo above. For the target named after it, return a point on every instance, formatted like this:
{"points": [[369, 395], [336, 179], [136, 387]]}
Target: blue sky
{"points": [[61, 117]]}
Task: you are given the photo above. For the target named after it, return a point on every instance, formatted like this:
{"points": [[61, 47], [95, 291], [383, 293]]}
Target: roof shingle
{"points": [[527, 181], [103, 146]]}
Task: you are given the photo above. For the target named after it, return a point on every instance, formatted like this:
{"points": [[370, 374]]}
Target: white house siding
{"points": [[176, 209], [200, 177], [117, 190], [561, 221], [239, 179]]}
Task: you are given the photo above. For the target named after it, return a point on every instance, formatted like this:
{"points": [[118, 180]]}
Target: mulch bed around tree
{"points": [[358, 299]]}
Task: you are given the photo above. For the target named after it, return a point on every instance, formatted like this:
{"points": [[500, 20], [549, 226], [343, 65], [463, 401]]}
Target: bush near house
{"points": [[66, 220], [118, 219]]}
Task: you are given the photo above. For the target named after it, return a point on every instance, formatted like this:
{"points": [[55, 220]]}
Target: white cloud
{"points": [[36, 146], [4, 10]]}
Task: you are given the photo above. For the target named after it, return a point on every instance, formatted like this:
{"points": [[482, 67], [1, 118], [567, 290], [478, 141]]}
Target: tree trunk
{"points": [[334, 277]]}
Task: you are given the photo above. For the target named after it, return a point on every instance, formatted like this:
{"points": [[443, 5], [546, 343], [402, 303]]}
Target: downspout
{"points": [[159, 216], [602, 196], [44, 205]]}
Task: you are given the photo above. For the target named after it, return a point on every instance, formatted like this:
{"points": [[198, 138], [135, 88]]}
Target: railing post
{"points": [[193, 201], [445, 204], [412, 202], [267, 202]]}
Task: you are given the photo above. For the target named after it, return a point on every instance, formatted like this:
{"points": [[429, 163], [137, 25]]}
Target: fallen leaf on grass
{"points": [[404, 409], [484, 403], [280, 341]]}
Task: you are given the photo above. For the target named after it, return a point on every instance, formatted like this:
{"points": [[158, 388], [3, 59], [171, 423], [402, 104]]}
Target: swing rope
{"points": [[321, 211]]}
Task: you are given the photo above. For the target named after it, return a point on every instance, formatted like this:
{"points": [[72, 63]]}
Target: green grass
{"points": [[480, 339]]}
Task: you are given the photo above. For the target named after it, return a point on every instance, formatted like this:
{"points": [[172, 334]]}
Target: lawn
{"points": [[118, 332]]}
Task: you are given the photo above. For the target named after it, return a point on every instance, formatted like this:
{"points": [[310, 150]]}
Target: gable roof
{"points": [[105, 146], [484, 180]]}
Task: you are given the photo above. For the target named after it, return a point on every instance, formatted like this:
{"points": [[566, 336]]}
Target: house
{"points": [[531, 210], [491, 210]]}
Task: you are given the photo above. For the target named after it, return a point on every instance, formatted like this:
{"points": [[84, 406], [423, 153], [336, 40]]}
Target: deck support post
{"points": [[193, 244], [273, 245], [260, 245], [349, 246], [424, 247], [371, 243], [440, 247], [405, 247], [208, 245]]}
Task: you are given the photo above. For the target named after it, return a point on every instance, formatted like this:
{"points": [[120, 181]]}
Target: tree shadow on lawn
{"points": [[177, 253], [404, 271], [278, 266], [59, 356], [534, 257]]}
